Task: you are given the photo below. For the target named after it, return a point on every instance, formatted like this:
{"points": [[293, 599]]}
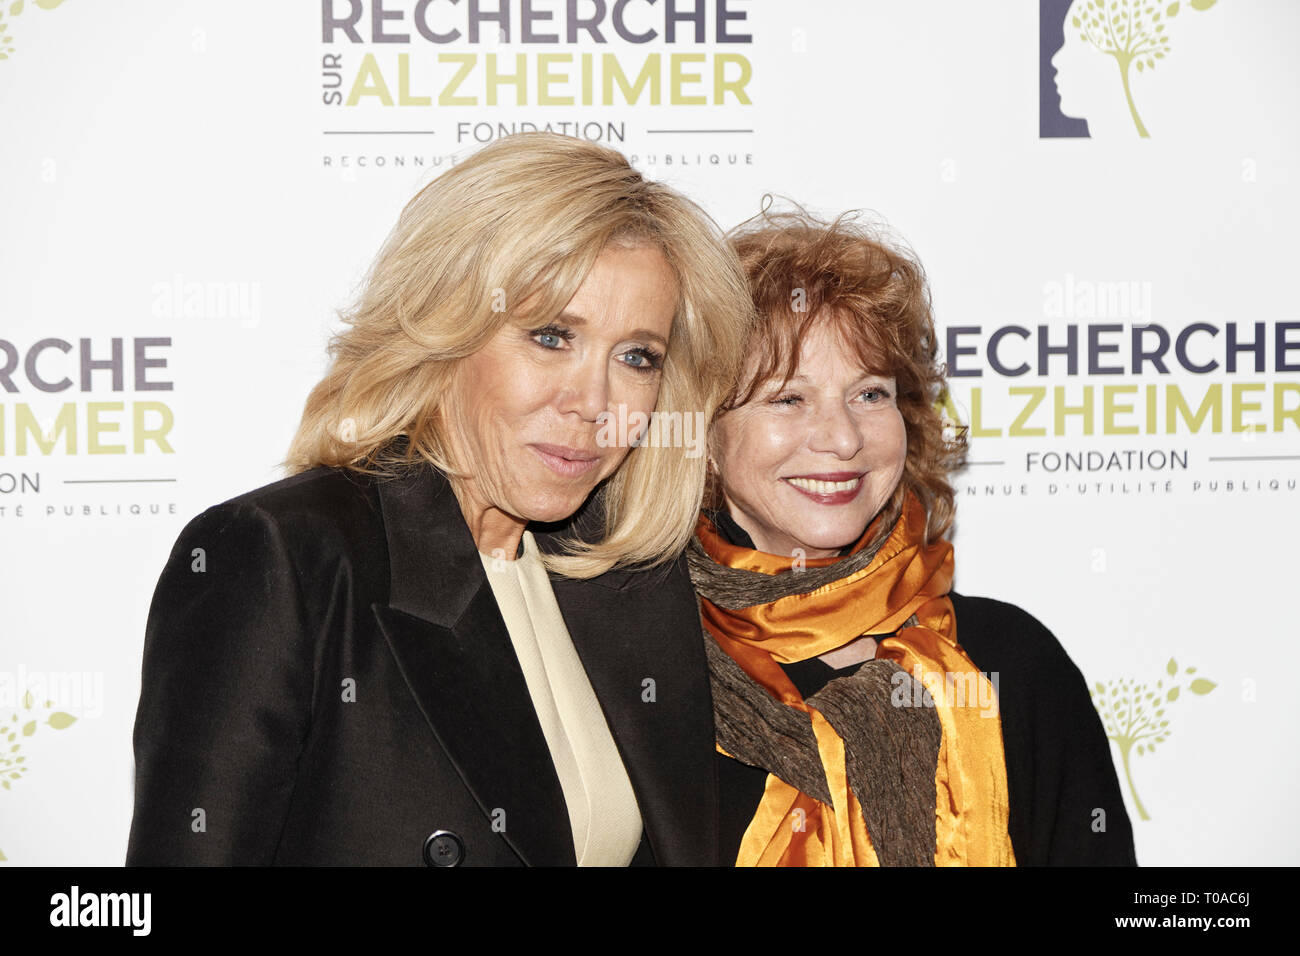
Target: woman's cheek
{"points": [[887, 432], [899, 443], [781, 435]]}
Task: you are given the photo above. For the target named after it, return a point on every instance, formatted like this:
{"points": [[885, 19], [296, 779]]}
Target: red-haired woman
{"points": [[854, 727]]}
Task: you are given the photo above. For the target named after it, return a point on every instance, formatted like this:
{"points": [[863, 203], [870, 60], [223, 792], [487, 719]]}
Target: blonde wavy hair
{"points": [[523, 221]]}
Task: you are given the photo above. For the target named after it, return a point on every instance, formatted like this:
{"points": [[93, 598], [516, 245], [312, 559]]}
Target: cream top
{"points": [[602, 807]]}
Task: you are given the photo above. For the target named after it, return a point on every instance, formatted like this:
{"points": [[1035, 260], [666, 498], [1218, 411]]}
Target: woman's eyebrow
{"points": [[864, 377]]}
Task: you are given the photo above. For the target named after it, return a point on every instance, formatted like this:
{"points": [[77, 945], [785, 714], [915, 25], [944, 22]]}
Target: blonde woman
{"points": [[461, 632]]}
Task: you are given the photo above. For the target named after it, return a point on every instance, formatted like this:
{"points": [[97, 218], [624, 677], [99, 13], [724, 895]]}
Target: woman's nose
{"points": [[837, 432], [585, 391]]}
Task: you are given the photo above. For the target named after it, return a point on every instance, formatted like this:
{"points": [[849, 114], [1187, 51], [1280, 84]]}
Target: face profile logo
{"points": [[13, 9], [1091, 53]]}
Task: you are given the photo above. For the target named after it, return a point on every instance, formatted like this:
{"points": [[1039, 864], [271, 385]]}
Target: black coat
{"points": [[1066, 804], [329, 681]]}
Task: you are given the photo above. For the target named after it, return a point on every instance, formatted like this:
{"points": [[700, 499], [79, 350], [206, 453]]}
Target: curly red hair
{"points": [[803, 272]]}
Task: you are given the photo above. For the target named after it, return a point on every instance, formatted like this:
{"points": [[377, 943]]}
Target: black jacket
{"points": [[327, 680], [1066, 805]]}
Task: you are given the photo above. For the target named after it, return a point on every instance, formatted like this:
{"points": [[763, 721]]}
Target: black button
{"points": [[443, 848]]}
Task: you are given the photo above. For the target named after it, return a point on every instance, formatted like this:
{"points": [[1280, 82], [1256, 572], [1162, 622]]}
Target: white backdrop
{"points": [[173, 175]]}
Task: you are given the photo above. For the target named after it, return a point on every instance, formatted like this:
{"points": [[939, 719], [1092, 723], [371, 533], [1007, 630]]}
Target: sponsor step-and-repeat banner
{"points": [[1102, 195]]}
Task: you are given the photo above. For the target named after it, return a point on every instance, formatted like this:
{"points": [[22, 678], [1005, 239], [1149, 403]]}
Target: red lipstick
{"points": [[815, 486]]}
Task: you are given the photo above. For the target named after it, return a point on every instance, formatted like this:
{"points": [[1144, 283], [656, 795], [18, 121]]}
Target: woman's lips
{"points": [[565, 461], [829, 488]]}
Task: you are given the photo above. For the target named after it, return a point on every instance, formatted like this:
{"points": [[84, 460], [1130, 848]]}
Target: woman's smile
{"points": [[837, 488]]}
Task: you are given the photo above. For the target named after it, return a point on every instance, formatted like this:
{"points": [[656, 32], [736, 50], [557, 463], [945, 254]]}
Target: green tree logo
{"points": [[1134, 715], [15, 8], [1132, 32], [13, 766]]}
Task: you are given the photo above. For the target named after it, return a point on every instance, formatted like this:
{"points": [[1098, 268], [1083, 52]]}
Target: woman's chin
{"points": [[830, 542]]}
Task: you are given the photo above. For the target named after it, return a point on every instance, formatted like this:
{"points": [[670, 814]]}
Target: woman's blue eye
{"points": [[787, 400], [551, 337], [643, 360]]}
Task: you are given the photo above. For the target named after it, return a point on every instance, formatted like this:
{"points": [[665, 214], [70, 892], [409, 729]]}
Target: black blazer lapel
{"points": [[631, 629], [452, 647]]}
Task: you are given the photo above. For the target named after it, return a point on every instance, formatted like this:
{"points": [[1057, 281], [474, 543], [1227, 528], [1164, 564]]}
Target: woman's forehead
{"points": [[813, 347]]}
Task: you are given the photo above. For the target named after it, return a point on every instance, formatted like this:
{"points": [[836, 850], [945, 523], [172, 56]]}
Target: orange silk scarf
{"points": [[905, 577]]}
